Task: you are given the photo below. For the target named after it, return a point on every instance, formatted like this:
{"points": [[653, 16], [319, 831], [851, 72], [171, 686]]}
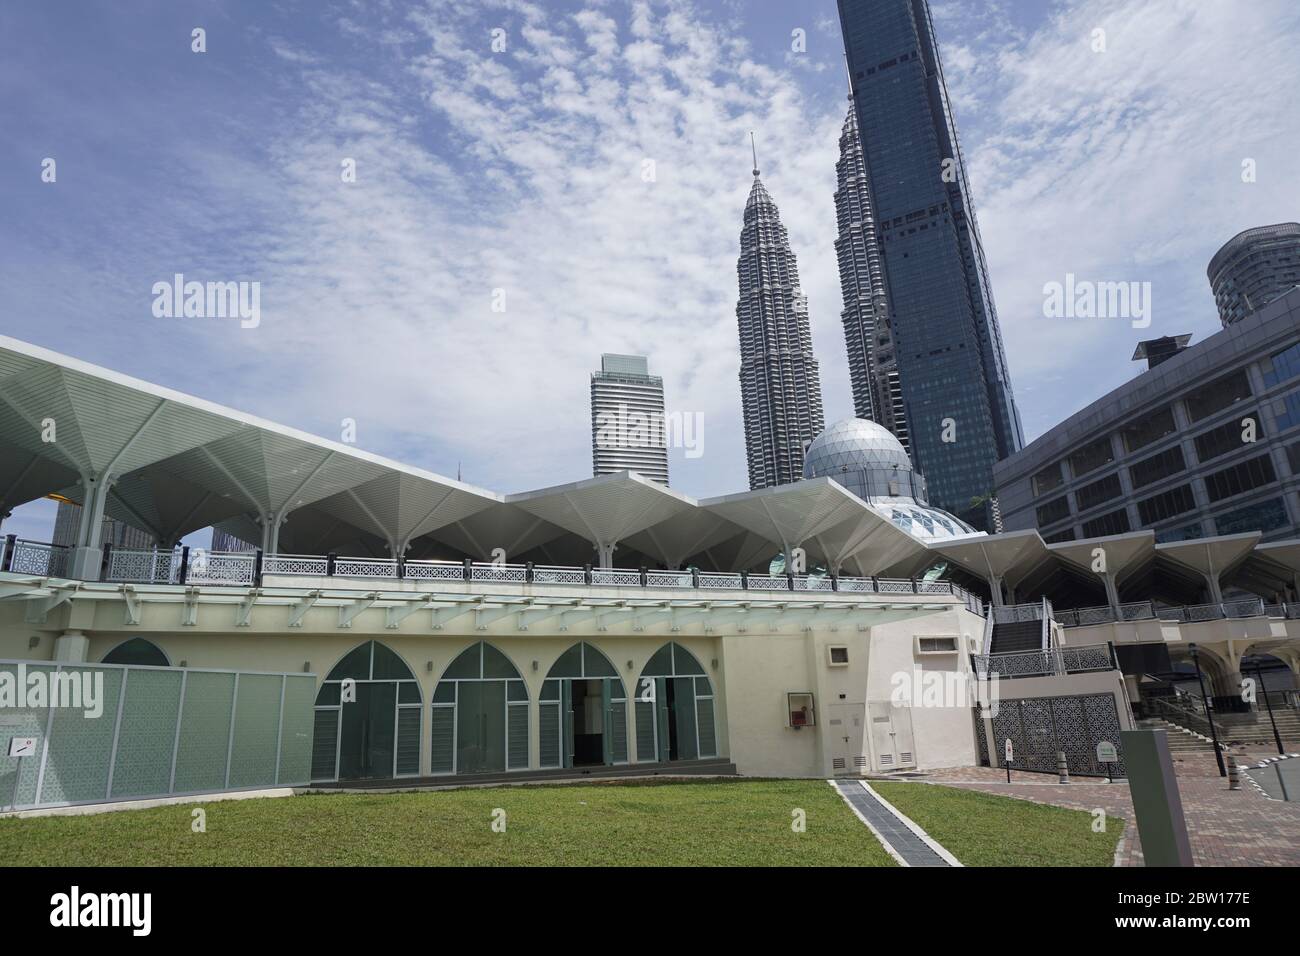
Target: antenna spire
{"points": [[848, 75], [754, 148]]}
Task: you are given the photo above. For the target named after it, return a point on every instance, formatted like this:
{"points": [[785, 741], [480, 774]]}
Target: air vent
{"points": [[859, 761], [905, 757], [886, 760], [838, 763]]}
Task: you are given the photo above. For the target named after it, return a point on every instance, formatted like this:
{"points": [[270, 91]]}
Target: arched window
{"points": [[480, 714], [582, 711], [367, 718], [137, 651], [674, 708]]}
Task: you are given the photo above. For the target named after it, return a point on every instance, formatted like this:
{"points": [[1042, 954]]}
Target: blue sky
{"points": [[522, 170]]}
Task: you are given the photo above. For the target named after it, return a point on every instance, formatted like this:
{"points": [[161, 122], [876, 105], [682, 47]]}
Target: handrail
{"points": [[182, 565]]}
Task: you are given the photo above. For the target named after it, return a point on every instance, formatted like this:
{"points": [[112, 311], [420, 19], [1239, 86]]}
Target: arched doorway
{"points": [[139, 652], [582, 711], [367, 718], [480, 714], [674, 708]]}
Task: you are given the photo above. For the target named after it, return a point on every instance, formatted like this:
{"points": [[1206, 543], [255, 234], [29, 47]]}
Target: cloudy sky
{"points": [[524, 169]]}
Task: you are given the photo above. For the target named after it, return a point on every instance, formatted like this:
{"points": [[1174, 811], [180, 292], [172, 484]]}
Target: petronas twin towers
{"points": [[924, 344], [779, 385]]}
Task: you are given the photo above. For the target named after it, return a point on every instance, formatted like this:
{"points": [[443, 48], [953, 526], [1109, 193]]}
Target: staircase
{"points": [[1012, 636], [1255, 727], [1182, 742]]}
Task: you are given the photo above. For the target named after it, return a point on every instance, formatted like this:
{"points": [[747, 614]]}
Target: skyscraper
{"points": [[1253, 268], [627, 419], [873, 365], [780, 390], [955, 386]]}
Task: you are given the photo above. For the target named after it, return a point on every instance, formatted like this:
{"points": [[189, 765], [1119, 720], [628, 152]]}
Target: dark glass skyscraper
{"points": [[780, 388], [951, 364], [873, 365]]}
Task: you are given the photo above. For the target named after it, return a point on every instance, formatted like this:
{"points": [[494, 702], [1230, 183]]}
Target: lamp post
{"points": [[1209, 710], [1259, 680]]}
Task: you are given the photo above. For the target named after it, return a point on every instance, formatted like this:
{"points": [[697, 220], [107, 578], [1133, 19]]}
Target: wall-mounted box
{"points": [[799, 708], [937, 644], [837, 655]]}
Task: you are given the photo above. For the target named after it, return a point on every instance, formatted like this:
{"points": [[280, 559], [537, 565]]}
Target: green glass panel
{"points": [[445, 692], [645, 732], [205, 731], [596, 664], [466, 664], [21, 722], [516, 691], [569, 664], [257, 731], [76, 767], [443, 745], [683, 717], [355, 665], [684, 662], [324, 747], [137, 651], [703, 688], [704, 716], [368, 724], [408, 692], [480, 727], [618, 731], [496, 664], [388, 666], [147, 733], [661, 664], [551, 690], [329, 695], [408, 741], [548, 714], [517, 719]]}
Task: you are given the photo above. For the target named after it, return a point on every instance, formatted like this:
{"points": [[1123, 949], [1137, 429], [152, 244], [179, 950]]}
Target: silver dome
{"points": [[852, 445], [866, 459]]}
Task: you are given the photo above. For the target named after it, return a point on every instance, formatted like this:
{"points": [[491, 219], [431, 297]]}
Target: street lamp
{"points": [[1209, 710]]}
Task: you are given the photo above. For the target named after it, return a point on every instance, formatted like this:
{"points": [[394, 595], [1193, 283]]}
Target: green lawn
{"points": [[982, 829], [727, 823], [709, 823]]}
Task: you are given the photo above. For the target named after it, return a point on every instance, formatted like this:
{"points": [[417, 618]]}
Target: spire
{"points": [[754, 148], [848, 75]]}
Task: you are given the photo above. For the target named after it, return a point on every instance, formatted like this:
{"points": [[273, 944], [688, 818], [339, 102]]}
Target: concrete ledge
{"points": [[82, 809]]}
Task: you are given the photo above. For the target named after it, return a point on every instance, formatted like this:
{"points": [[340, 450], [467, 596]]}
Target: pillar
{"points": [[87, 555], [71, 647]]}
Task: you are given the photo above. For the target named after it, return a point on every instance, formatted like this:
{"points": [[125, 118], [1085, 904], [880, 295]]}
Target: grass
{"points": [[982, 829], [723, 823], [641, 823]]}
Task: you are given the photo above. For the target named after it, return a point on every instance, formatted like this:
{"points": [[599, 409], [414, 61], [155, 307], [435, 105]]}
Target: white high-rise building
{"points": [[627, 419]]}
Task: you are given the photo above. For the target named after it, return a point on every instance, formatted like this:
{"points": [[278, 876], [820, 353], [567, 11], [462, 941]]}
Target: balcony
{"points": [[197, 566], [1193, 614], [1053, 662]]}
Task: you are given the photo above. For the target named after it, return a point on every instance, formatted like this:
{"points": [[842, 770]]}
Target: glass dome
{"points": [[851, 445], [866, 459]]}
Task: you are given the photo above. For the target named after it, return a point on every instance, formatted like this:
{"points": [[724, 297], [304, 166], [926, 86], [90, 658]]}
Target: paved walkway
{"points": [[889, 825], [1226, 827]]}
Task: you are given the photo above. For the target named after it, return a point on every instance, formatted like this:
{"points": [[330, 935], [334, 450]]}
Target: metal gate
{"points": [[1039, 727]]}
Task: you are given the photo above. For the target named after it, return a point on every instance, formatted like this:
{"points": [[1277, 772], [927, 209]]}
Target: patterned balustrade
{"points": [[1057, 661], [365, 567], [148, 567], [295, 564], [434, 570], [514, 573], [199, 566]]}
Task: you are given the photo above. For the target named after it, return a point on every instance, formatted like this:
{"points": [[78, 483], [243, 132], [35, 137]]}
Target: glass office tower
{"points": [[951, 364]]}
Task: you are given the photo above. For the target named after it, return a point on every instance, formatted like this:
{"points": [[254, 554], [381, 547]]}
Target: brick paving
{"points": [[1225, 827]]}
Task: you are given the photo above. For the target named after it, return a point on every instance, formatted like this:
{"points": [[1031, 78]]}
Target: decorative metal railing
{"points": [[33, 557], [185, 565], [1057, 661]]}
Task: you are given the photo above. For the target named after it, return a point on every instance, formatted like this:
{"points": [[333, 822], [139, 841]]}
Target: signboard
{"points": [[1106, 752], [22, 746], [1010, 754]]}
